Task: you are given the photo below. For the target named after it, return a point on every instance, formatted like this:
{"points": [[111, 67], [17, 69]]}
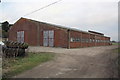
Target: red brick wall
{"points": [[61, 38], [85, 36], [60, 35], [107, 38], [29, 29], [31, 33], [75, 34], [102, 42], [92, 37]]}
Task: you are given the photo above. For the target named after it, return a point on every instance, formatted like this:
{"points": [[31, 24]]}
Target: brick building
{"points": [[37, 33]]}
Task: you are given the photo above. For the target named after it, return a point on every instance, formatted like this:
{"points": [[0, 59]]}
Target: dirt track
{"points": [[92, 62]]}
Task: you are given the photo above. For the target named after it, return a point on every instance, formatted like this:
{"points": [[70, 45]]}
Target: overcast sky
{"points": [[97, 15]]}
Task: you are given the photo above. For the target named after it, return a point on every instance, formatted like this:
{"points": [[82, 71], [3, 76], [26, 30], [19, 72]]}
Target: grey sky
{"points": [[97, 15]]}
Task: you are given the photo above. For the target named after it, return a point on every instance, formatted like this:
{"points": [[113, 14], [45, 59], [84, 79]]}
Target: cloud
{"points": [[99, 15], [69, 0]]}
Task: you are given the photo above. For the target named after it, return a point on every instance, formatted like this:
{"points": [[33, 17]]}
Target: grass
{"points": [[14, 66], [115, 43]]}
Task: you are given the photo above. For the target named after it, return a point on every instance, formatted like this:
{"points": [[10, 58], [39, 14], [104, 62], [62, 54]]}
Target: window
{"points": [[83, 40], [93, 40], [102, 40], [98, 41], [20, 36], [87, 40], [90, 40], [71, 40], [105, 41], [75, 40]]}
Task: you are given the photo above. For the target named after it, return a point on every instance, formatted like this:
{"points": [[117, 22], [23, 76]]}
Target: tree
{"points": [[113, 41], [4, 34], [5, 26]]}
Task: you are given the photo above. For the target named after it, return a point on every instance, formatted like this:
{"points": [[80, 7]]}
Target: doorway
{"points": [[48, 38]]}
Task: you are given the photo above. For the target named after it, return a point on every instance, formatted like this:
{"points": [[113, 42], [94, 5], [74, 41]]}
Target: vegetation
{"points": [[4, 34], [115, 43], [14, 66], [5, 28]]}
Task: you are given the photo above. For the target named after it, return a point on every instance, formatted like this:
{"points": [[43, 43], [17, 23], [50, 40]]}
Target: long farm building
{"points": [[37, 33]]}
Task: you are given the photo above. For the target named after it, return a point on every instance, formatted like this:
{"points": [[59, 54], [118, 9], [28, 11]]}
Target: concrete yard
{"points": [[91, 62]]}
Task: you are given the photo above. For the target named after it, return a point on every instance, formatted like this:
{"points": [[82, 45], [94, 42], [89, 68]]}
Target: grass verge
{"points": [[115, 43], [14, 66]]}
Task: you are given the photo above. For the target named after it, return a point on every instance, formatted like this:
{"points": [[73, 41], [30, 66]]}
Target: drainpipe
{"points": [[89, 44], [81, 39], [68, 38], [95, 39]]}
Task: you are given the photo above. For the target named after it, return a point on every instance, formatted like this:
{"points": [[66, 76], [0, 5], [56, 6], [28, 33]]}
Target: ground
{"points": [[91, 62]]}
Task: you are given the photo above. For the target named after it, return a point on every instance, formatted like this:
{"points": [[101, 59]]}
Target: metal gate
{"points": [[48, 38], [20, 36]]}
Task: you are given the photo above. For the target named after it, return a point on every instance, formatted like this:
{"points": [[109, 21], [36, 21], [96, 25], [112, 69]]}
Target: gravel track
{"points": [[91, 62]]}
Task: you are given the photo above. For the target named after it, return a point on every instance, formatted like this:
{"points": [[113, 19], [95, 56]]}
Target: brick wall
{"points": [[34, 35], [30, 31]]}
